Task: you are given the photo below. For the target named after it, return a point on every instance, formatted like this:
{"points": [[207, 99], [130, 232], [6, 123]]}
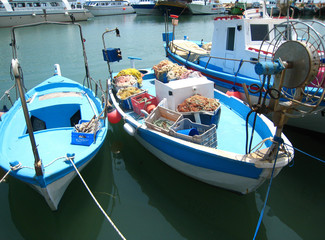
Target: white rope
{"points": [[14, 168], [107, 217]]}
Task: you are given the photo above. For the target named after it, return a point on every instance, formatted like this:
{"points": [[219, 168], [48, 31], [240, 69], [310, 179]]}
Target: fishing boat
{"points": [[54, 129], [216, 155], [145, 7], [206, 7], [178, 7], [178, 116], [239, 43], [24, 12], [103, 8]]}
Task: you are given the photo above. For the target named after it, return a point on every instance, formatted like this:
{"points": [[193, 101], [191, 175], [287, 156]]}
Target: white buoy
{"points": [[57, 69], [129, 129]]}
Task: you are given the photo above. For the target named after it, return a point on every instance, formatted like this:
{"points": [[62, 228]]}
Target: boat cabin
{"points": [[239, 38]]}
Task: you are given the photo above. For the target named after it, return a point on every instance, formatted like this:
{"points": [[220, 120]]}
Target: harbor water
{"points": [[145, 198]]}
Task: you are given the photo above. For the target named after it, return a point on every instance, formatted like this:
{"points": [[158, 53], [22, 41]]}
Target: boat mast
{"points": [[37, 163]]}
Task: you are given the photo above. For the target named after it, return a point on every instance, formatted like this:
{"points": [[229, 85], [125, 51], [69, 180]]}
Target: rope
{"points": [[91, 194], [268, 189], [12, 168], [309, 155]]}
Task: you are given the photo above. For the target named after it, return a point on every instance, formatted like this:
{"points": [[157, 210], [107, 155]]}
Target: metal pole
{"points": [[37, 163]]}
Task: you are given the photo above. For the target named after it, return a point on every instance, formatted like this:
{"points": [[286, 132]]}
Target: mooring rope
{"points": [[92, 195], [307, 154], [12, 168], [280, 140]]}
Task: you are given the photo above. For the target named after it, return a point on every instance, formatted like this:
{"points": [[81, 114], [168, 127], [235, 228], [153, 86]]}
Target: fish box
{"points": [[141, 101], [206, 134], [163, 115], [178, 90], [79, 138]]}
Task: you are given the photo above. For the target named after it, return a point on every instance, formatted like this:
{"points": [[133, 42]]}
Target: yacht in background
{"points": [[206, 7], [102, 7], [24, 12]]}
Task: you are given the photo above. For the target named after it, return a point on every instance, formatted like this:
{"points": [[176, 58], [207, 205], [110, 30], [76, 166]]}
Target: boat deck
{"points": [[226, 132], [52, 131]]}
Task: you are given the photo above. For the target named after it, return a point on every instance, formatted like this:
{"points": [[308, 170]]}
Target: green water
{"points": [[145, 198]]}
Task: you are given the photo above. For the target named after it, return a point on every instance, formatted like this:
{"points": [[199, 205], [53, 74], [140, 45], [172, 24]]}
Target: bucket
{"points": [[189, 132]]}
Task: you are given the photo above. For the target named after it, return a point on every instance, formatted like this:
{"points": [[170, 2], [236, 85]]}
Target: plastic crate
{"points": [[85, 139], [140, 101], [127, 103], [207, 133], [162, 113]]}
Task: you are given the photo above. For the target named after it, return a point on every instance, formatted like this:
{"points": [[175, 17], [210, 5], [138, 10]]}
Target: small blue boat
{"points": [[216, 154], [48, 129]]}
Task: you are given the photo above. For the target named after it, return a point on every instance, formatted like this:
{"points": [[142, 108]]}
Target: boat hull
{"points": [[253, 178], [145, 9], [172, 7], [198, 9], [55, 106], [110, 10], [9, 19]]}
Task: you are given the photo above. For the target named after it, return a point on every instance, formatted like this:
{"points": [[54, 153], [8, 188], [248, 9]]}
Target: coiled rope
{"points": [[92, 195]]}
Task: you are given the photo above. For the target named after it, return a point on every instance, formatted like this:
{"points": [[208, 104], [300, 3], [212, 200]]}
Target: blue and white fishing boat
{"points": [[54, 129], [212, 141], [217, 155], [240, 42]]}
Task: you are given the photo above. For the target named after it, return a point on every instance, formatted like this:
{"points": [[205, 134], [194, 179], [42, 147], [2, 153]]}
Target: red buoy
{"points": [[234, 93], [150, 108], [114, 116]]}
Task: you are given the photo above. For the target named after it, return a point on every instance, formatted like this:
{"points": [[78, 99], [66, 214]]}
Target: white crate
{"points": [[178, 90]]}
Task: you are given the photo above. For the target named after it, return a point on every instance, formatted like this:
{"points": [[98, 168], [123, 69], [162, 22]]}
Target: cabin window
{"points": [[259, 32], [281, 32], [231, 39]]}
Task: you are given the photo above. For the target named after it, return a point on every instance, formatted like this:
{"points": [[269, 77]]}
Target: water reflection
{"points": [[78, 217], [193, 209]]}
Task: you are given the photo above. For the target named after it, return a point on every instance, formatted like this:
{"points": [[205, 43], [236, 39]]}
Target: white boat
{"points": [[239, 43], [206, 7], [146, 7], [24, 12], [103, 8], [40, 137]]}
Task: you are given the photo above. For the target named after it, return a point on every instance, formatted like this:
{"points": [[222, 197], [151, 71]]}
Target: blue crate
{"points": [[112, 54], [85, 139]]}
